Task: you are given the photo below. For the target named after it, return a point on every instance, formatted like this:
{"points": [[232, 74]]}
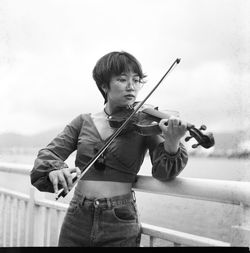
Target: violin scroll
{"points": [[204, 140]]}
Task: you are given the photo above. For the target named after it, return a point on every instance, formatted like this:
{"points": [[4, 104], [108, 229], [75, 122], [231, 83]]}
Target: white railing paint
{"points": [[231, 192], [40, 214]]}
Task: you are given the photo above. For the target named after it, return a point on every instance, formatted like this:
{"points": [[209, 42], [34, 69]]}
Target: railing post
{"points": [[39, 221], [152, 240], [240, 236], [36, 222], [31, 217]]}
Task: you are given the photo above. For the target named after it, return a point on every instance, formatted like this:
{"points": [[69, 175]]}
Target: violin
{"points": [[145, 123]]}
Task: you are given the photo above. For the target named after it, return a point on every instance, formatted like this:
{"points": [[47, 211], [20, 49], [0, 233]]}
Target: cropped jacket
{"points": [[120, 162]]}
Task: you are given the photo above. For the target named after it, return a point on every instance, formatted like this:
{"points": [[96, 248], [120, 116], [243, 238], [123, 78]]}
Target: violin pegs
{"points": [[195, 145], [188, 138], [203, 127]]}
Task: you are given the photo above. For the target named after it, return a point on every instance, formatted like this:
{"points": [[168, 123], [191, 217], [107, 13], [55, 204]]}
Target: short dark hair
{"points": [[115, 63]]}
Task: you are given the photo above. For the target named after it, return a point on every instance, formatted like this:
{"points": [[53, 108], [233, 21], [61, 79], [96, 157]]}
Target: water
{"points": [[203, 218], [211, 168]]}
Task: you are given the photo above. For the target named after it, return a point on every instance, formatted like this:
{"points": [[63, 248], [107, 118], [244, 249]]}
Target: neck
{"points": [[110, 108]]}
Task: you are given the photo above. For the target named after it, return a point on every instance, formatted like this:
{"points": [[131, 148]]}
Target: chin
{"points": [[129, 103], [125, 103]]}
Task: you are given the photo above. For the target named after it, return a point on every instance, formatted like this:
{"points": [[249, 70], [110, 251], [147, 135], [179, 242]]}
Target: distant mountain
{"points": [[223, 141], [13, 140]]}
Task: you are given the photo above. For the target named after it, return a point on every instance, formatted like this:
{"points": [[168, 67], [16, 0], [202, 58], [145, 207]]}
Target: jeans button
{"points": [[96, 203]]}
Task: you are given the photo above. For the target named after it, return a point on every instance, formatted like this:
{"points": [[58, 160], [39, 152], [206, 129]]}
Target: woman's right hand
{"points": [[63, 177]]}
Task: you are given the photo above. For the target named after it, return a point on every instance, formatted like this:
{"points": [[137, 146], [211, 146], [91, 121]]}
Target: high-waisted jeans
{"points": [[104, 222]]}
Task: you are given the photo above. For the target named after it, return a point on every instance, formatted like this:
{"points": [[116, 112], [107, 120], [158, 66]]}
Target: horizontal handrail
{"points": [[223, 191], [16, 168], [51, 204], [15, 194], [180, 237], [232, 192]]}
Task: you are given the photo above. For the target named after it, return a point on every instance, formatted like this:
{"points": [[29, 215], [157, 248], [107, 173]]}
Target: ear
{"points": [[104, 88]]}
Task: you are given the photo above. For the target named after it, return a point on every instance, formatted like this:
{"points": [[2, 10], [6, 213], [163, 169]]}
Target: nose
{"points": [[130, 84]]}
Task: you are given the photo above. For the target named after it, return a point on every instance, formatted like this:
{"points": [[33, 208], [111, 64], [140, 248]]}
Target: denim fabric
{"points": [[105, 222]]}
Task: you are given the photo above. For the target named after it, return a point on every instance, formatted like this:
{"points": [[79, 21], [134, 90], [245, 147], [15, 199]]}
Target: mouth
{"points": [[129, 96]]}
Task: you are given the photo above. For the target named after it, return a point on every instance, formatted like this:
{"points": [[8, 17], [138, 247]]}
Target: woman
{"points": [[103, 209]]}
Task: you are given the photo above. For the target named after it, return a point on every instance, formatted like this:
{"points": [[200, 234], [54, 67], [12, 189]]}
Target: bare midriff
{"points": [[103, 189]]}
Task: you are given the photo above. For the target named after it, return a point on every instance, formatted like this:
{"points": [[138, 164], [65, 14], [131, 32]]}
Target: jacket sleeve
{"points": [[165, 166], [53, 156]]}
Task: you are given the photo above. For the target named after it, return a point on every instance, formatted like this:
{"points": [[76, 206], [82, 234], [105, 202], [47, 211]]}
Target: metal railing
{"points": [[32, 220]]}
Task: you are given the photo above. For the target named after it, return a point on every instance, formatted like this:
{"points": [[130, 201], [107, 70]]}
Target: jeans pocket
{"points": [[126, 213]]}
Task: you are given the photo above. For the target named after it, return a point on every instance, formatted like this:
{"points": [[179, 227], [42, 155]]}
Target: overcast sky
{"points": [[48, 49]]}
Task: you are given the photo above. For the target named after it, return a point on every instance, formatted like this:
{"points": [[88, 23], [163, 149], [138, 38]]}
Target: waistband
{"points": [[110, 202]]}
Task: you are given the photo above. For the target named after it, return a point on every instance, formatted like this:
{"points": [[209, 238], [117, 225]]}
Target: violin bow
{"points": [[61, 192]]}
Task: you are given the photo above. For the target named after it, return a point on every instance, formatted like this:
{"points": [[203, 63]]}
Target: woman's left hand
{"points": [[173, 131]]}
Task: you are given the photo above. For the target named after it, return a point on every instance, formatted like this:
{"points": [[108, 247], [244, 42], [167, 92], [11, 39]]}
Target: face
{"points": [[123, 89]]}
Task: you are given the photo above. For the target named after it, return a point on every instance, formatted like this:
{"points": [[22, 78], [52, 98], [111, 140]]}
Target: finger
{"points": [[62, 181], [78, 171], [75, 173], [54, 181], [184, 129], [170, 123], [68, 177], [176, 122], [75, 169], [184, 125], [163, 123]]}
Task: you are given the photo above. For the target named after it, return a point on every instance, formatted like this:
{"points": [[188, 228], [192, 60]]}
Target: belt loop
{"points": [[109, 203], [133, 195]]}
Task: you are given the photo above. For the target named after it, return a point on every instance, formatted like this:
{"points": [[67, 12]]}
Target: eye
{"points": [[136, 80], [122, 79]]}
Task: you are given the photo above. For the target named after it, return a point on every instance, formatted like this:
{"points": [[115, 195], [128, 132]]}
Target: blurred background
{"points": [[48, 50]]}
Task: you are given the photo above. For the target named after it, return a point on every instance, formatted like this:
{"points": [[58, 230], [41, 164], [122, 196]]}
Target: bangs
{"points": [[124, 63]]}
